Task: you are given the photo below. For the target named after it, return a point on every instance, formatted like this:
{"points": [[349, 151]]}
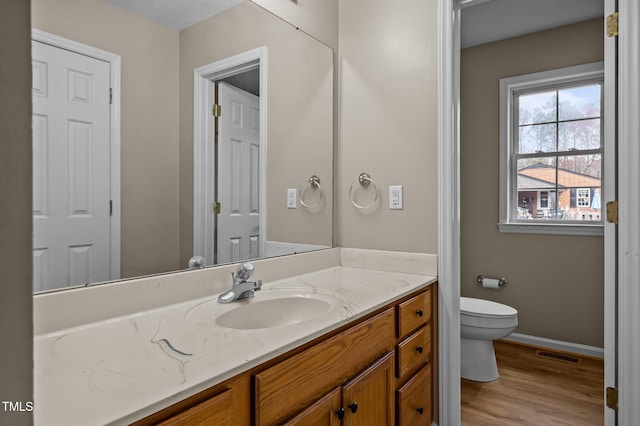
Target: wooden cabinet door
{"points": [[368, 397], [214, 411], [322, 413]]}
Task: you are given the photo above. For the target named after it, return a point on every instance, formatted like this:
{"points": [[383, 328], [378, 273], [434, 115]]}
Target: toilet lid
{"points": [[485, 308]]}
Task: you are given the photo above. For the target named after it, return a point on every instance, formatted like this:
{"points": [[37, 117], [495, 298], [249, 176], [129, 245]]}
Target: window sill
{"points": [[596, 230]]}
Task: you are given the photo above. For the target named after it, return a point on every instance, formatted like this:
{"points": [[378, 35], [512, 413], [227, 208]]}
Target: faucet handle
{"points": [[244, 271]]}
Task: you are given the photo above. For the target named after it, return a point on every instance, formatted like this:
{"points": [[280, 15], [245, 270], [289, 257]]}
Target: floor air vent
{"points": [[560, 357]]}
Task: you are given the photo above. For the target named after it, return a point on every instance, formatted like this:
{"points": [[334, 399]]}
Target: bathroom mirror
{"points": [[156, 180]]}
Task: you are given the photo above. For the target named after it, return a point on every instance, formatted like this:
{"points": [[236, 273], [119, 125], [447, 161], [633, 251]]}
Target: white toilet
{"points": [[482, 322]]}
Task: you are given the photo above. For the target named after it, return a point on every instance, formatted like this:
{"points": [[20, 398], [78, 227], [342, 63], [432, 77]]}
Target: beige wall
{"points": [[299, 115], [16, 323], [555, 282], [149, 145], [388, 121]]}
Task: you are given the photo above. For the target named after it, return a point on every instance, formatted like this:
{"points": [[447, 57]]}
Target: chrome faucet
{"points": [[241, 288]]}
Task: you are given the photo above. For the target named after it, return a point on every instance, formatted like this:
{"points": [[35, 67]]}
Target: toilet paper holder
{"points": [[501, 281]]}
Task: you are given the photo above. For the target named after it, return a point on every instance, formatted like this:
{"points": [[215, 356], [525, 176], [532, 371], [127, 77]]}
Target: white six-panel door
{"points": [[238, 171], [71, 166]]}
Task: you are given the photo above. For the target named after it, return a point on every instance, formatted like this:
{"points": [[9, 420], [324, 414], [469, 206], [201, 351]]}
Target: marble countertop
{"points": [[122, 369]]}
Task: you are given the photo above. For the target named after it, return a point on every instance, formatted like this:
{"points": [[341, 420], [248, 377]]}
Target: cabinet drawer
{"points": [[413, 313], [414, 351], [414, 399], [294, 384], [214, 411]]}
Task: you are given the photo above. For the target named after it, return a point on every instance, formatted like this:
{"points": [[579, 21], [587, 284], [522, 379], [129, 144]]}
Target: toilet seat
{"points": [[485, 308], [486, 314]]}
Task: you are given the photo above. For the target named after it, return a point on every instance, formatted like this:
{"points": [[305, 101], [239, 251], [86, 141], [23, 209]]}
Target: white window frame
{"points": [[540, 206], [582, 197], [508, 174]]}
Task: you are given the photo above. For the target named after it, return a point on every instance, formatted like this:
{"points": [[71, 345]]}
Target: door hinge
{"points": [[612, 212], [216, 207], [110, 207], [110, 95], [612, 25], [217, 110], [612, 398]]}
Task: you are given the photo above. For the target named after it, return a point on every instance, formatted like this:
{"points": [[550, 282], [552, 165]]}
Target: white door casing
{"points": [[622, 309], [238, 175], [610, 230], [204, 179], [448, 212], [628, 262], [76, 179]]}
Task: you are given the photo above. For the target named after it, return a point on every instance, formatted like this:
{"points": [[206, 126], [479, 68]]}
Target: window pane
{"points": [[537, 138], [537, 199], [579, 102], [580, 176], [537, 108], [570, 191], [582, 167], [583, 134]]}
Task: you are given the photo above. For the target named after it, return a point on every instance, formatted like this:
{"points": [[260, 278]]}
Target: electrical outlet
{"points": [[292, 195], [395, 197]]}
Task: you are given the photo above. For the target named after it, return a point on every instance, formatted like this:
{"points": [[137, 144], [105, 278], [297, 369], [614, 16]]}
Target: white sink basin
{"points": [[277, 308]]}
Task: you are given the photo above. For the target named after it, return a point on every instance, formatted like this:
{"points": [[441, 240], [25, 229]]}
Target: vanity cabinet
{"points": [[377, 370]]}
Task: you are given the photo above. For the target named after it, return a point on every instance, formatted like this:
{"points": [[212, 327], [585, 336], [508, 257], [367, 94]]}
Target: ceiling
{"points": [[483, 21], [487, 21], [176, 14]]}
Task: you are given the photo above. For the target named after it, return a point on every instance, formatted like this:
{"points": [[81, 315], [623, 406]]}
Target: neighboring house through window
{"points": [[551, 151]]}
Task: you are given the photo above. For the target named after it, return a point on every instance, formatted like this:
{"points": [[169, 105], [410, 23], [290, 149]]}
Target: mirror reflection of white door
{"points": [[238, 175], [71, 168]]}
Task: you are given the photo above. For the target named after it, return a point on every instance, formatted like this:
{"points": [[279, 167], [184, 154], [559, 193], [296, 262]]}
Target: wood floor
{"points": [[536, 391]]}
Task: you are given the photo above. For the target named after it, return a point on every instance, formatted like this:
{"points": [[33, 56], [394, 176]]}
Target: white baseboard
{"points": [[559, 345]]}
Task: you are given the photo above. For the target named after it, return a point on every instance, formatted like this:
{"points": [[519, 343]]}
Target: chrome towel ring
{"points": [[364, 179], [312, 182]]}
